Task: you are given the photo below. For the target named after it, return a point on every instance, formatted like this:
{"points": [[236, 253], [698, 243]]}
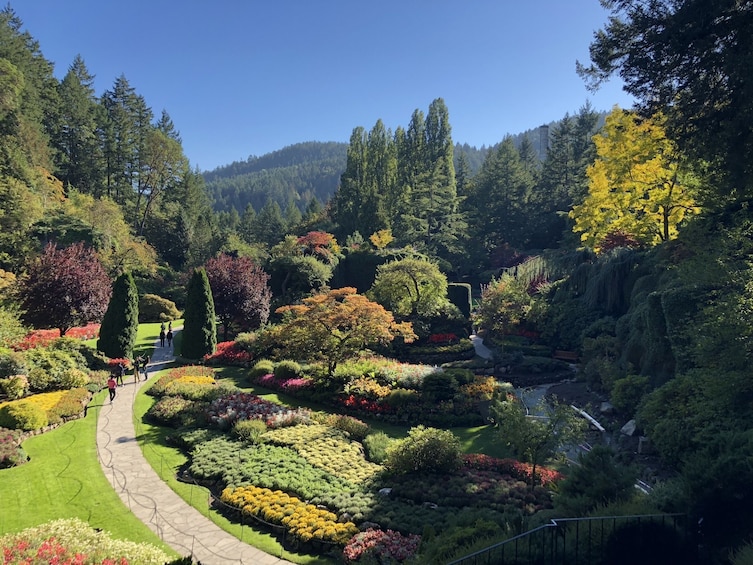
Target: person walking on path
{"points": [[179, 525], [136, 367], [162, 336], [120, 374], [147, 360], [111, 386], [170, 337]]}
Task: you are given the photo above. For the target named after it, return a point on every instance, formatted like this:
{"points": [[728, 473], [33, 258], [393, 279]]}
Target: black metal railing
{"points": [[584, 541]]}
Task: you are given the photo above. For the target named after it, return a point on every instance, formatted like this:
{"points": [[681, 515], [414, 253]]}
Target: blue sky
{"points": [[243, 78]]}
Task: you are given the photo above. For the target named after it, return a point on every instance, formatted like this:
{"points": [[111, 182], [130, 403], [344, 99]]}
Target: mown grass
{"points": [[64, 479]]}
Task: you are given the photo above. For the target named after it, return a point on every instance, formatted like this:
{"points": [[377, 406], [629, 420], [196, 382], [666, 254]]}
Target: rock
{"points": [[629, 428], [606, 408], [385, 491], [368, 525]]}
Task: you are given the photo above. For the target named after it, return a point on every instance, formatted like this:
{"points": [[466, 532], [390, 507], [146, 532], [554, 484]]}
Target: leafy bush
{"points": [[15, 386], [356, 429], [154, 308], [85, 356], [287, 369], [425, 450], [376, 446], [74, 378], [11, 454], [439, 386], [71, 403], [381, 546], [261, 368], [173, 411], [23, 415], [98, 380], [47, 367], [401, 397], [628, 392], [12, 363], [250, 431]]}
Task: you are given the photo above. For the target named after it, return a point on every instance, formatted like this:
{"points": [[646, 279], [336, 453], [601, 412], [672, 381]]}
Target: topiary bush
{"points": [[23, 415], [154, 308]]}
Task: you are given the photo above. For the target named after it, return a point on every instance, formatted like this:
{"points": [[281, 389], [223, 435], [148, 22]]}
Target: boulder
{"points": [[629, 428]]}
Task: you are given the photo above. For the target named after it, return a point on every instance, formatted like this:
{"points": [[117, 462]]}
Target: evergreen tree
{"points": [[75, 136], [350, 194], [246, 225], [199, 322], [117, 334], [270, 226]]}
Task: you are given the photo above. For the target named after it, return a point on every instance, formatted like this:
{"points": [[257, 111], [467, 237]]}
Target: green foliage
{"points": [[15, 386], [628, 392], [117, 333], [376, 446], [23, 415], [287, 369], [174, 411], [439, 386], [154, 308], [261, 368], [504, 306], [12, 363], [410, 287], [70, 404], [424, 450], [250, 431], [11, 327], [199, 323], [48, 367], [597, 480], [460, 541]]}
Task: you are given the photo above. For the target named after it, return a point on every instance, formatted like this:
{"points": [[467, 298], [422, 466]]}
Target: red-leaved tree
{"points": [[240, 290], [64, 288]]}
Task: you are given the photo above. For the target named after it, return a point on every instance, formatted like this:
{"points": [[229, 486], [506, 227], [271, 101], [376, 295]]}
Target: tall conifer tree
{"points": [[117, 334], [199, 321]]}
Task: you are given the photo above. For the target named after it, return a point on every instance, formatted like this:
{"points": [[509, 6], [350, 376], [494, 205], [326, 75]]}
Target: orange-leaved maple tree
{"points": [[337, 324]]}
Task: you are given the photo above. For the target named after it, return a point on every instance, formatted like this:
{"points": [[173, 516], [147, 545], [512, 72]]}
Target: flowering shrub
{"points": [[290, 386], [160, 385], [226, 410], [11, 453], [516, 469], [229, 353], [482, 388], [368, 388], [43, 338], [442, 339], [304, 521], [383, 546], [74, 542], [359, 404]]}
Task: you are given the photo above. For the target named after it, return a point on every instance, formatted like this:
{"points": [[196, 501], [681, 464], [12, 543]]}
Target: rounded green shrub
{"points": [[439, 386], [261, 367], [425, 450], [74, 378], [154, 308], [12, 363], [287, 369], [23, 416]]}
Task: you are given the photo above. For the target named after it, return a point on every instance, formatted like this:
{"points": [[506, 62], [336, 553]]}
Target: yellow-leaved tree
{"points": [[637, 185]]}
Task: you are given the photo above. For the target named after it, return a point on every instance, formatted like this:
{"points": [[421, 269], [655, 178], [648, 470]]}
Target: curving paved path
{"points": [[179, 525]]}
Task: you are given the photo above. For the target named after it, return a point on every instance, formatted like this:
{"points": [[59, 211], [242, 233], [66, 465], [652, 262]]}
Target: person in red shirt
{"points": [[111, 386]]}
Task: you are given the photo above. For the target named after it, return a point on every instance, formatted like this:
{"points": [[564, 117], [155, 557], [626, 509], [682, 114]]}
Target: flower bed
{"points": [[516, 469], [42, 338], [289, 386], [381, 546], [228, 409], [304, 521], [74, 542], [229, 353], [329, 449]]}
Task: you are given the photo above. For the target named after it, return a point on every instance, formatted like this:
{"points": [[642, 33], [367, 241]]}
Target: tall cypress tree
{"points": [[117, 334], [199, 321]]}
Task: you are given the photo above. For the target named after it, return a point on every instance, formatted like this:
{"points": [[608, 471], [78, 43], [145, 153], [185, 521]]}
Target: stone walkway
{"points": [[179, 525], [481, 349]]}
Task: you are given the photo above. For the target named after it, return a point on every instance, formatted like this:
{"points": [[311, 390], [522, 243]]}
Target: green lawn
{"points": [[65, 480]]}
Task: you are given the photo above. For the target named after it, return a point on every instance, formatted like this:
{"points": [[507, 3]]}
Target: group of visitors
{"points": [[140, 367], [168, 335]]}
